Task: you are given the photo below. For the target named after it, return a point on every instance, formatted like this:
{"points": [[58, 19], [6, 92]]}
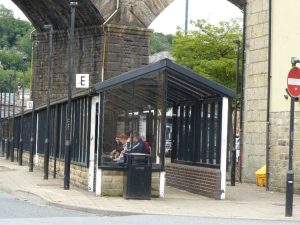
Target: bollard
{"points": [[289, 193]]}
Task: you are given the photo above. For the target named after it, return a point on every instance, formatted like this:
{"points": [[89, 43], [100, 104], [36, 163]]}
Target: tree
{"points": [[160, 42], [210, 50], [11, 28], [14, 45]]}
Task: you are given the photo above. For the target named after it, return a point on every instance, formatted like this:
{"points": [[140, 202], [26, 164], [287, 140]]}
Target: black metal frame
{"points": [[56, 130], [198, 132]]}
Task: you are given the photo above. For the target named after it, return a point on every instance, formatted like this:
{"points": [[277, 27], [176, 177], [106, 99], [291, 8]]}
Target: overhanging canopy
{"points": [[182, 82]]}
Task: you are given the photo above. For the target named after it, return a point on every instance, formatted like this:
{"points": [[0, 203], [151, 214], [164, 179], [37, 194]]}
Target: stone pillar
{"points": [[125, 49], [256, 77]]}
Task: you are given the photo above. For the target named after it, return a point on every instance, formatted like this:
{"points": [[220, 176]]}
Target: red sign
{"points": [[293, 82]]}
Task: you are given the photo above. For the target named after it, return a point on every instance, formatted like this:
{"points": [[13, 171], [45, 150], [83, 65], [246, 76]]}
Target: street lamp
{"points": [[233, 167], [12, 154], [73, 6], [8, 119], [46, 146], [22, 115], [32, 138], [186, 16], [4, 125], [1, 125]]}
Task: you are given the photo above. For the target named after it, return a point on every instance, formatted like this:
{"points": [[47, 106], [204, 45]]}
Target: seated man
{"points": [[138, 144]]}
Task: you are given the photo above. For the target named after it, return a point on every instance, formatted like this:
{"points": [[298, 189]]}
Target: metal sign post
{"points": [[290, 173], [293, 89]]}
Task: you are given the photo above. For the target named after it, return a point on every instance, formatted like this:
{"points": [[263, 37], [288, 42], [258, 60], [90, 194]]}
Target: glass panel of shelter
{"points": [[198, 126], [133, 108]]}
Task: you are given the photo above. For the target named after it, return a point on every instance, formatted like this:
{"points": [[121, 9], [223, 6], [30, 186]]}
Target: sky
{"points": [[174, 15]]}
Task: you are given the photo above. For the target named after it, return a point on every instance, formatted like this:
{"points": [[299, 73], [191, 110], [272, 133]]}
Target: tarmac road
{"points": [[21, 212]]}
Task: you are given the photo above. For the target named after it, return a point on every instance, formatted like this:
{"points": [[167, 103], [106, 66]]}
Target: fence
{"points": [[80, 129]]}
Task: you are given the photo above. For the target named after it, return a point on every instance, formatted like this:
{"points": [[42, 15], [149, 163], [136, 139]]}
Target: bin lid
{"points": [[261, 171], [137, 154]]}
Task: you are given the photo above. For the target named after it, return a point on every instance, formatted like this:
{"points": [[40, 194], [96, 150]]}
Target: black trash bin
{"points": [[138, 174]]}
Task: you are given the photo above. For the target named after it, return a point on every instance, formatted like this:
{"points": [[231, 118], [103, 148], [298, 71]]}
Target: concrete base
{"points": [[112, 182]]}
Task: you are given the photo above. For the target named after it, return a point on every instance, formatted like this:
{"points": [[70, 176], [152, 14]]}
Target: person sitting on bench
{"points": [[138, 144]]}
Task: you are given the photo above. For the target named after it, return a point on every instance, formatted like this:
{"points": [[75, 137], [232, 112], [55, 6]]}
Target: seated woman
{"points": [[115, 154], [119, 148], [123, 142]]}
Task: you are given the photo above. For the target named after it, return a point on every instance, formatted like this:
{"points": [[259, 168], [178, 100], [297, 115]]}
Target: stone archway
{"points": [[92, 12], [57, 13]]}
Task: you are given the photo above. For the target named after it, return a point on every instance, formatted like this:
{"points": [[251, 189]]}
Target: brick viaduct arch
{"points": [[92, 12]]}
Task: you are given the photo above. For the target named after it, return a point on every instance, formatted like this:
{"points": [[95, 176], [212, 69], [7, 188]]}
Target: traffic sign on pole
{"points": [[293, 87], [293, 82]]}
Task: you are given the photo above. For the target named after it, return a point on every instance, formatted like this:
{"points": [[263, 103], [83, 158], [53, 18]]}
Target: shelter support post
{"points": [[224, 138]]}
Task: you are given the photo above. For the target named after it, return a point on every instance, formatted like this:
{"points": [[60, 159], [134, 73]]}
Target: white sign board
{"points": [[29, 104], [82, 80]]}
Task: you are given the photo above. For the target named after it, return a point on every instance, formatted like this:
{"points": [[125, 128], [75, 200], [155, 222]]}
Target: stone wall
{"points": [[125, 49], [279, 153], [256, 76], [198, 180], [78, 173], [113, 182]]}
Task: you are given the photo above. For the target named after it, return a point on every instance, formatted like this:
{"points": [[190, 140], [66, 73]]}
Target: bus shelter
{"points": [[184, 118]]}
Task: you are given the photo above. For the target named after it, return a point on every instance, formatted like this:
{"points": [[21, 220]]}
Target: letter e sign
{"points": [[82, 81]]}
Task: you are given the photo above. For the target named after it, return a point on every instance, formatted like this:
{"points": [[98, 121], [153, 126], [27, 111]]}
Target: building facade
{"points": [[271, 40]]}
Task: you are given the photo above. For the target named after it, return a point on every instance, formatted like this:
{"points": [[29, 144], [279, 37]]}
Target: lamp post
{"points": [[4, 125], [1, 124], [73, 6], [22, 116], [49, 28], [233, 167], [8, 119], [32, 138], [186, 17], [12, 148]]}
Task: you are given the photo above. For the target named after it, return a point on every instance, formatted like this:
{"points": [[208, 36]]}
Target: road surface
{"points": [[18, 211]]}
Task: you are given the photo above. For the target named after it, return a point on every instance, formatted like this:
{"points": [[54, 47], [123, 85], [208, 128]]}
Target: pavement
{"points": [[244, 201]]}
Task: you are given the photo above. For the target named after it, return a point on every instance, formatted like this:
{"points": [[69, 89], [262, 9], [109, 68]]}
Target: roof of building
{"points": [[179, 78]]}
